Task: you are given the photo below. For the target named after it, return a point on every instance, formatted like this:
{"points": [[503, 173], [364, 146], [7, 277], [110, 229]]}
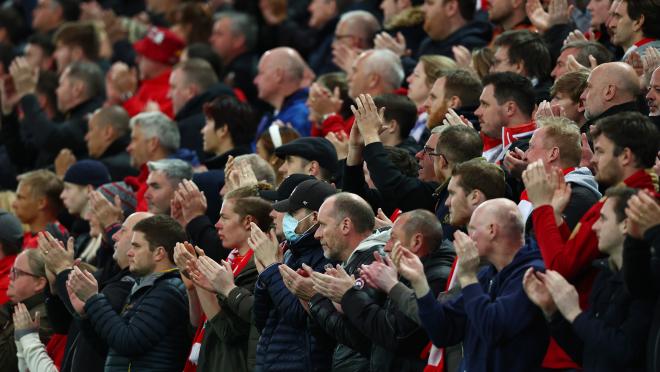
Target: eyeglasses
{"points": [[339, 37], [15, 273], [430, 152]]}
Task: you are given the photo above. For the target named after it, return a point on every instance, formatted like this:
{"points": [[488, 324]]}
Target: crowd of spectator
{"points": [[329, 185]]}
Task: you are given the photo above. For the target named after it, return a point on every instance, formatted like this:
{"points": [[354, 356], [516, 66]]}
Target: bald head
{"points": [[608, 85], [361, 24], [503, 213], [288, 60]]}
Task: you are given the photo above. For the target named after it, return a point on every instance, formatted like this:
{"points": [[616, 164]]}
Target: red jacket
{"points": [[571, 253], [157, 90], [6, 263]]}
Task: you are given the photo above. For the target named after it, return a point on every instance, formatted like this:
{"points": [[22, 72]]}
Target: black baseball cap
{"points": [[311, 148], [308, 194], [286, 187]]}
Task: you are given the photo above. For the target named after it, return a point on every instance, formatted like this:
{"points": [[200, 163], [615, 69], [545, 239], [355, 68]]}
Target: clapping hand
{"points": [[538, 293], [333, 284], [397, 45], [106, 213], [301, 286], [368, 118], [380, 274], [82, 284], [344, 56], [192, 200], [24, 75], [643, 212], [23, 321], [452, 118], [563, 294], [468, 258], [411, 268], [56, 257], [266, 248], [220, 276], [537, 184]]}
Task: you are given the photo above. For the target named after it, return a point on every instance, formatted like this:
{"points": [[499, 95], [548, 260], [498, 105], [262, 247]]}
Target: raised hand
{"points": [[575, 35], [340, 141], [452, 118], [462, 56], [301, 286], [643, 212], [266, 248], [24, 75], [343, 56], [56, 257], [561, 195], [515, 161], [537, 292], [322, 102], [23, 321], [380, 274], [64, 160], [411, 268], [382, 220], [468, 258], [106, 213], [220, 276], [368, 118], [333, 284], [397, 45], [537, 184], [572, 65], [563, 294], [82, 283], [193, 201]]}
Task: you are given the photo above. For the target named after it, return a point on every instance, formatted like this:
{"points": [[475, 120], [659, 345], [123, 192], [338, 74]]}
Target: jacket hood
{"points": [[582, 176], [378, 238]]}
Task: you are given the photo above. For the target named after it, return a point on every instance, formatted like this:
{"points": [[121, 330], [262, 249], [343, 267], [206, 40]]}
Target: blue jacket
{"points": [[501, 329], [285, 343], [294, 111], [152, 332]]}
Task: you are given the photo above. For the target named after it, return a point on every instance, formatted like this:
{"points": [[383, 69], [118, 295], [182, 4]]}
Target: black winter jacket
{"points": [[353, 349], [144, 337], [397, 340], [610, 335], [285, 343]]}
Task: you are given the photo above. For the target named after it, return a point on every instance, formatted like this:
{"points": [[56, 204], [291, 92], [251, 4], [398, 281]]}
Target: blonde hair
{"points": [[435, 67]]}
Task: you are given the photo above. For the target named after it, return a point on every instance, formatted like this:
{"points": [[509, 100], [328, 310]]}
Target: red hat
{"points": [[161, 45]]}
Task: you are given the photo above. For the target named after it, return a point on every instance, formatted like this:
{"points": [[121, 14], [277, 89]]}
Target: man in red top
{"points": [[11, 239], [625, 145], [156, 54], [505, 113], [38, 204]]}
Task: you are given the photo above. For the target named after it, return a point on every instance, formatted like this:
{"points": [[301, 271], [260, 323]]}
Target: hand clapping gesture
{"points": [[380, 274], [368, 118], [333, 284], [266, 248], [56, 257], [411, 268], [82, 284], [220, 276]]}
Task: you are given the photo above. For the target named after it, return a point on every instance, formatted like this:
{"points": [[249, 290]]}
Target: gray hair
{"points": [[114, 116], [242, 24], [157, 124], [386, 64], [176, 170], [198, 72], [89, 74], [261, 168], [362, 24]]}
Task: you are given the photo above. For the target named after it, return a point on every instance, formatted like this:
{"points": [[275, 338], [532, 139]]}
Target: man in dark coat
{"points": [[107, 137], [143, 336], [280, 318], [192, 84]]}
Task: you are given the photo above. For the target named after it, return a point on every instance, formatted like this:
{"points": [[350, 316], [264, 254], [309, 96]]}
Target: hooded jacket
{"points": [[285, 343], [493, 318], [353, 349]]}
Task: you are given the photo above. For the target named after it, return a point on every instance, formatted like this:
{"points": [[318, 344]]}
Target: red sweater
{"points": [[139, 186], [6, 263], [571, 254], [157, 90]]}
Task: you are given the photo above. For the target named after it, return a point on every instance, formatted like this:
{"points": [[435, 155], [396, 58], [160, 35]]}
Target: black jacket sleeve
{"points": [[333, 323], [407, 193], [353, 181], [641, 264], [562, 332], [385, 326]]}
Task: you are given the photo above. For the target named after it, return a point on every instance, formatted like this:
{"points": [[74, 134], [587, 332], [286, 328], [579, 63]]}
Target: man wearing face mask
{"points": [[285, 342]]}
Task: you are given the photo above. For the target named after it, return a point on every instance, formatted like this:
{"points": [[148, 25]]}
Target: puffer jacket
{"points": [[285, 343], [151, 334]]}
